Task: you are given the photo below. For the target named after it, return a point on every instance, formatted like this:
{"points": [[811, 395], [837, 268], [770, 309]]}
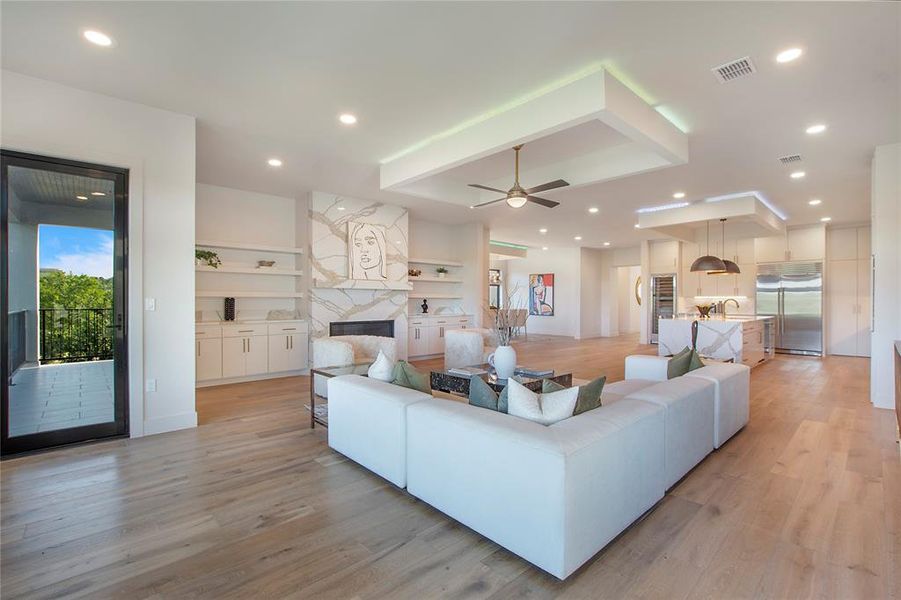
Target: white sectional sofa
{"points": [[554, 495], [732, 386]]}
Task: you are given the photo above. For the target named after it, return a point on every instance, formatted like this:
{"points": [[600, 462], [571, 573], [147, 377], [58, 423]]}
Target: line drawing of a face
{"points": [[367, 251]]}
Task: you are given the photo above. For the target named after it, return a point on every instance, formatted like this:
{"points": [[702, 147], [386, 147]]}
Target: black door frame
{"points": [[120, 426]]}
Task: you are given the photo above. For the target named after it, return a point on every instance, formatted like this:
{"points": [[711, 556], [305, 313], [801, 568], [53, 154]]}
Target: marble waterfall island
{"points": [[739, 339]]}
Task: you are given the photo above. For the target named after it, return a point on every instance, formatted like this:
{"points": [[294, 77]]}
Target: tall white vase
{"points": [[504, 361]]}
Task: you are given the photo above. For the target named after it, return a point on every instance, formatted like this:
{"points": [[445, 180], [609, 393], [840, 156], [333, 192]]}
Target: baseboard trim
{"points": [[171, 423], [249, 378]]}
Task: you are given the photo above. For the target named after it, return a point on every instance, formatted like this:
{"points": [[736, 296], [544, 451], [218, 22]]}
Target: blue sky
{"points": [[76, 250]]}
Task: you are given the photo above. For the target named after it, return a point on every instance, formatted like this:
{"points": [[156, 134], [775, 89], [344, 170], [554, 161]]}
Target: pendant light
{"points": [[708, 262], [731, 267]]}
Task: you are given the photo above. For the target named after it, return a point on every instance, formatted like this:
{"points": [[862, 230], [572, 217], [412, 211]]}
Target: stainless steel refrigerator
{"points": [[793, 293]]}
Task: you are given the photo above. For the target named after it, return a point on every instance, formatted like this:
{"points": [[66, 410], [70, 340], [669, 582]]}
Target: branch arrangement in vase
{"points": [[503, 321]]}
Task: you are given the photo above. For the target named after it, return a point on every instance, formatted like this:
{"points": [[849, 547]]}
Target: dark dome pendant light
{"points": [[708, 262], [731, 267]]}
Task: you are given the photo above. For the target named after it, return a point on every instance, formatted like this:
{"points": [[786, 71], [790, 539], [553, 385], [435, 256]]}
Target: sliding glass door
{"points": [[63, 275]]}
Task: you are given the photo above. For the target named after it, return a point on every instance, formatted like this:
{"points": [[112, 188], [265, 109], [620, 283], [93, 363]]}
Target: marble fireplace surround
{"points": [[334, 297]]}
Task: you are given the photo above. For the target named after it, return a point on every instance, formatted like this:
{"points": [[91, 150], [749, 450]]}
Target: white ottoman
{"points": [[463, 348]]}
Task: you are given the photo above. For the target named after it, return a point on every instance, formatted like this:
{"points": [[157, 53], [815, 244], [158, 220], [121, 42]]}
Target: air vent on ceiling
{"points": [[734, 69], [789, 159]]}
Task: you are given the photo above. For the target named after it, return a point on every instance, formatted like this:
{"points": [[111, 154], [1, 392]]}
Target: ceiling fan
{"points": [[517, 196]]}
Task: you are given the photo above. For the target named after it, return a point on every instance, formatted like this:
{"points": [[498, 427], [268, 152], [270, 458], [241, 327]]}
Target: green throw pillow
{"points": [[406, 375], [482, 395], [589, 394], [683, 362]]}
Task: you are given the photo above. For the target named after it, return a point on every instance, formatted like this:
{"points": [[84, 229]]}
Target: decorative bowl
{"points": [[265, 264], [704, 309]]}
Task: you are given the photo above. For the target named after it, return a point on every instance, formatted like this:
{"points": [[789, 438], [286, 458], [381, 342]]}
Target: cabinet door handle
{"points": [[198, 348], [245, 331], [289, 328], [441, 332]]}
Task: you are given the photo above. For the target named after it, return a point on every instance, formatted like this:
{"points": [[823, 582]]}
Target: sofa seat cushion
{"points": [[620, 389]]}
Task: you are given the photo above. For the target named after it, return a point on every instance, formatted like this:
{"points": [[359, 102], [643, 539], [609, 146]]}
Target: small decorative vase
{"points": [[504, 361]]}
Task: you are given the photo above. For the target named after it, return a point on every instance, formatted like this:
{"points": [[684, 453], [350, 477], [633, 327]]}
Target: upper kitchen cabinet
{"points": [[739, 251], [806, 243], [664, 256]]}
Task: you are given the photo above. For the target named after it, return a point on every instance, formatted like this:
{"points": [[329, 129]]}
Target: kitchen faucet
{"points": [[721, 306]]}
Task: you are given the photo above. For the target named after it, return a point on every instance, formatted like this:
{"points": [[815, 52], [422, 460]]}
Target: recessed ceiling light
{"points": [[97, 37], [818, 128], [471, 207], [789, 55], [815, 202], [593, 209], [606, 243], [544, 247], [274, 162], [797, 174], [81, 197], [578, 238], [679, 195], [826, 219], [340, 208], [98, 194], [542, 230], [347, 118]]}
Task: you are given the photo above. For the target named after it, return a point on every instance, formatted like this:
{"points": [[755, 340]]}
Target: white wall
{"points": [[565, 264], [628, 309], [227, 214], [23, 279], [886, 244], [591, 288], [614, 259], [158, 147]]}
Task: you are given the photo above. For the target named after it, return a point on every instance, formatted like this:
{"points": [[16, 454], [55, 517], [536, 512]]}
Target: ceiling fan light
{"points": [[707, 263], [516, 201]]}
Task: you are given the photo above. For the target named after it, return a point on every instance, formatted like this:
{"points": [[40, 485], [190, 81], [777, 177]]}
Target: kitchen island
{"points": [[743, 339]]}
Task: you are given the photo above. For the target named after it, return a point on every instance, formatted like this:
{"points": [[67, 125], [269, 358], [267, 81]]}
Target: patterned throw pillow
{"points": [[546, 409], [589, 396], [406, 375]]}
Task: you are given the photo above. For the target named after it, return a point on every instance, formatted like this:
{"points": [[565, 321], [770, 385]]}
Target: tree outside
{"points": [[76, 313]]}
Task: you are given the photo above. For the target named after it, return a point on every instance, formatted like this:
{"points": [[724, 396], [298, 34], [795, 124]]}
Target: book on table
{"points": [[467, 371]]}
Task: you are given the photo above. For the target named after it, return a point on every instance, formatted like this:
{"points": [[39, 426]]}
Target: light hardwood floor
{"points": [[804, 502]]}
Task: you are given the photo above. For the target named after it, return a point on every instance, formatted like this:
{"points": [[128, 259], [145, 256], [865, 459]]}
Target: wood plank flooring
{"points": [[805, 502]]}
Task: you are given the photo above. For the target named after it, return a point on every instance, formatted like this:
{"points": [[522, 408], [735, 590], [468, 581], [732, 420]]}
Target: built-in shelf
{"points": [[423, 296], [246, 246], [434, 261], [361, 284], [436, 279], [248, 270], [252, 294]]}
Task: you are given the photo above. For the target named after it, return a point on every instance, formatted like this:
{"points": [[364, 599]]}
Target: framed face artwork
{"points": [[541, 295], [367, 251]]}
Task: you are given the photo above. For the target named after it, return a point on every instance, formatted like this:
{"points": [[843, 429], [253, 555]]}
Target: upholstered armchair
{"points": [[468, 347], [344, 350]]}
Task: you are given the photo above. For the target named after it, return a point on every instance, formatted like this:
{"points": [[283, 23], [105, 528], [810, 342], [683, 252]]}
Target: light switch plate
{"points": [[149, 303]]}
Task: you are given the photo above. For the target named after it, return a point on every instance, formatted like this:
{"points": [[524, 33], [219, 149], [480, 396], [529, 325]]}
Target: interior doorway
{"points": [[64, 281], [628, 309]]}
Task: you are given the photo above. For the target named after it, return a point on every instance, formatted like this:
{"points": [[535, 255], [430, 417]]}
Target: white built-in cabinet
{"points": [[426, 332], [740, 252], [803, 243], [664, 256], [242, 350], [848, 291]]}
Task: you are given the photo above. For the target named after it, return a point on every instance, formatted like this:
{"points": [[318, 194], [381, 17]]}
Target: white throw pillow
{"points": [[546, 409], [382, 369]]}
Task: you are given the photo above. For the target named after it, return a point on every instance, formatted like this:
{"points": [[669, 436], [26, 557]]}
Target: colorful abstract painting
{"points": [[541, 295]]}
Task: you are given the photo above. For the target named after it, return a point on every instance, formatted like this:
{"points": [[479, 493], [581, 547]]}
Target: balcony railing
{"points": [[76, 334]]}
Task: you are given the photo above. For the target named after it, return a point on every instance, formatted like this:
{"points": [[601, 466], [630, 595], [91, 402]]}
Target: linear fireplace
{"points": [[381, 328]]}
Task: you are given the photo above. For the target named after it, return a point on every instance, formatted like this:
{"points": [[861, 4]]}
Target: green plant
{"points": [[441, 270], [209, 257]]}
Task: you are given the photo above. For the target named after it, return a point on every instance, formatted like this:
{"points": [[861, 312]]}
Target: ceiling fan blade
{"points": [[543, 202], [485, 187], [550, 185], [489, 202]]}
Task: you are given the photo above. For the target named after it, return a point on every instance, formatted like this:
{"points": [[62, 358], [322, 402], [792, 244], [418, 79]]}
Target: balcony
{"points": [[75, 335]]}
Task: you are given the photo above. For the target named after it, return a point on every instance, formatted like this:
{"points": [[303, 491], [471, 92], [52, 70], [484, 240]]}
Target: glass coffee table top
{"points": [[453, 383], [355, 369], [319, 414]]}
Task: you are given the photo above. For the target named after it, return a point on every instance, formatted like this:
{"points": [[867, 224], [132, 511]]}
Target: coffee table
{"points": [[327, 373], [452, 383]]}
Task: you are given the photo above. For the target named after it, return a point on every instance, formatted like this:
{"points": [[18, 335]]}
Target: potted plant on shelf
{"points": [[442, 272], [207, 256], [504, 322]]}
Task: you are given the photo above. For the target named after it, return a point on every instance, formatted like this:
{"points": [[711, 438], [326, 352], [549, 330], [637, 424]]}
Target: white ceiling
{"points": [[269, 79]]}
